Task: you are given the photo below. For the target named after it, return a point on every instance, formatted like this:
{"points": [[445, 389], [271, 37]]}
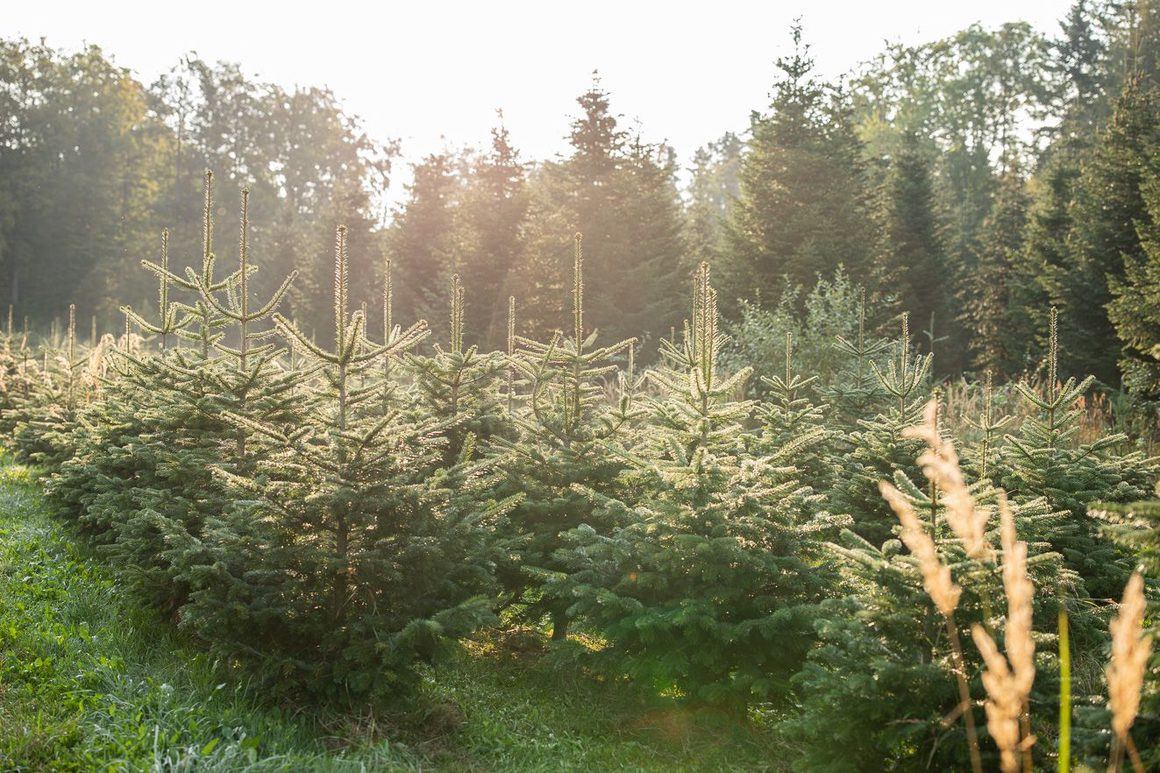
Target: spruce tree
{"points": [[878, 446], [140, 482], [709, 585], [909, 260], [713, 186], [784, 227], [790, 418], [880, 687], [339, 562], [853, 391], [1044, 458], [422, 241], [999, 331], [494, 217], [459, 386], [1108, 206], [569, 431], [44, 412], [1135, 306], [620, 192]]}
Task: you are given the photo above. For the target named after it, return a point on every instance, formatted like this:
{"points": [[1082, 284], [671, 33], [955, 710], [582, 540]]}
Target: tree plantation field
{"points": [[842, 458], [91, 682]]}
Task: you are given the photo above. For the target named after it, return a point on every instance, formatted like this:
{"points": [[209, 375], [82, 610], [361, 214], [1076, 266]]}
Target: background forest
{"points": [[974, 182], [845, 443]]}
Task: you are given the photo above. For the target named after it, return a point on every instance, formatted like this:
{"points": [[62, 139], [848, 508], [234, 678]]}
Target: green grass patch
{"points": [[91, 681]]}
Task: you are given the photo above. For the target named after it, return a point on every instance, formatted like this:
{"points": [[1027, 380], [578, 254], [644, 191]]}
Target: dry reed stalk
{"points": [[1130, 653], [1008, 679], [940, 464], [936, 579]]}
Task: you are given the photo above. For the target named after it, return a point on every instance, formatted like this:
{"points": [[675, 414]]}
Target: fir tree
{"points": [[784, 227], [422, 242], [141, 479], [46, 408], [1042, 268], [910, 263], [1109, 203], [878, 446], [345, 503], [789, 418], [1135, 306], [1080, 57], [460, 387], [713, 187], [566, 426], [998, 330], [881, 684], [853, 390], [494, 216], [621, 192], [1045, 459], [710, 584]]}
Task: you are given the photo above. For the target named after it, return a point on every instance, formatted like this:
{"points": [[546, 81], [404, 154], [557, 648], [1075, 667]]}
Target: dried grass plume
{"points": [[1130, 653], [1008, 679]]}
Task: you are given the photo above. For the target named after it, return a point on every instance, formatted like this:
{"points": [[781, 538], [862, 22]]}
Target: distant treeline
{"points": [[974, 181]]}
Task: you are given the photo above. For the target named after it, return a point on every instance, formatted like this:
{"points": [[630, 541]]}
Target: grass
{"points": [[91, 681]]}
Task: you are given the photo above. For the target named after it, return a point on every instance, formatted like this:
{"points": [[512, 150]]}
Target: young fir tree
{"points": [[45, 408], [16, 372], [881, 685], [854, 392], [1135, 527], [710, 584], [1044, 459], [790, 418], [460, 387], [567, 433], [981, 456], [339, 563], [878, 446], [141, 480]]}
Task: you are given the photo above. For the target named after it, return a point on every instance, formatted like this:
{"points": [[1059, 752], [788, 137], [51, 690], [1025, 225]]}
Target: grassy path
{"points": [[89, 681]]}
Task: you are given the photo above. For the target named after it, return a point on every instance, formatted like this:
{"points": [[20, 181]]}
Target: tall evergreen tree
{"points": [[1135, 306], [423, 240], [493, 217], [1080, 59], [1108, 205], [802, 208], [998, 329], [910, 264], [621, 193], [713, 187]]}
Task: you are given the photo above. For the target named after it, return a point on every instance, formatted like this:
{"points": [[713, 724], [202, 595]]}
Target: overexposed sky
{"points": [[433, 73]]}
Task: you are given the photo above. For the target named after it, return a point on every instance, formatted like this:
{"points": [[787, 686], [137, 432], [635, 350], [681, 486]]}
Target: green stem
{"points": [[1064, 692]]}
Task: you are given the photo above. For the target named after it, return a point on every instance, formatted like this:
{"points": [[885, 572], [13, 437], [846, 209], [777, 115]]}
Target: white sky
{"points": [[433, 73]]}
